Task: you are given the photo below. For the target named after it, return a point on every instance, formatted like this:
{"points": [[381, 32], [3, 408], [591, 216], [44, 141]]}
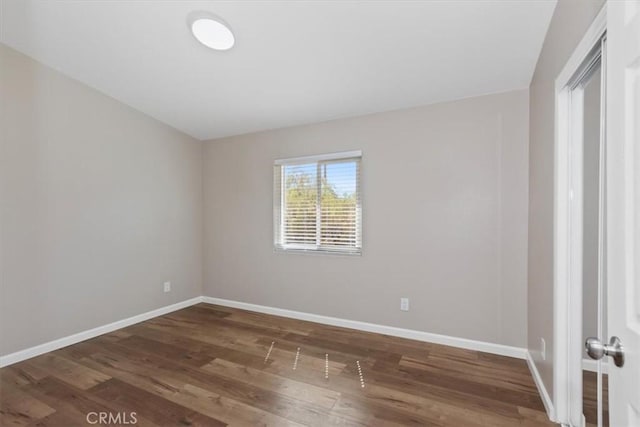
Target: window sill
{"points": [[323, 252]]}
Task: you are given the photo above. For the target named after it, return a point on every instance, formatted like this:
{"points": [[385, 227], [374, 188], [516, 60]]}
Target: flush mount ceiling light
{"points": [[213, 33]]}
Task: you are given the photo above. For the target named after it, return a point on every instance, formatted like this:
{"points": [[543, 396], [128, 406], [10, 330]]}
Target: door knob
{"points": [[596, 350]]}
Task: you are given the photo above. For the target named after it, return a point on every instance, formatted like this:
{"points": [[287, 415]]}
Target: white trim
{"points": [[289, 249], [561, 260], [592, 366], [542, 390], [28, 353], [319, 157], [592, 36], [465, 343], [503, 350], [565, 314]]}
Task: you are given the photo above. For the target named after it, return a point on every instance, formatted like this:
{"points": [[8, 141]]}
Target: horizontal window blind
{"points": [[317, 204]]}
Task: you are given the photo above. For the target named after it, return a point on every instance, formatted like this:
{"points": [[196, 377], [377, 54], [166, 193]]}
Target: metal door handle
{"points": [[596, 350]]}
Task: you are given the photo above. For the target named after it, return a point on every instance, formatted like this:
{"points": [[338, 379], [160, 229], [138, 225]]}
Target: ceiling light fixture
{"points": [[212, 33]]}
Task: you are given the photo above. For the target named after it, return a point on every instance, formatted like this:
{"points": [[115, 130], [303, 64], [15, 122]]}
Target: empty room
{"points": [[320, 213]]}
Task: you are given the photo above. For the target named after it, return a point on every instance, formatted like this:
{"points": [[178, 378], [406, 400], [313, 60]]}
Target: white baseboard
{"points": [[465, 343], [592, 366], [28, 353], [542, 390]]}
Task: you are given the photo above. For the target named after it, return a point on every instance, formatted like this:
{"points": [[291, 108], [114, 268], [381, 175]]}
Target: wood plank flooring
{"points": [[207, 365], [590, 399]]}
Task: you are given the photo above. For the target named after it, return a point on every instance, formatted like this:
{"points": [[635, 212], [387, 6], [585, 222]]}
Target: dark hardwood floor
{"points": [[211, 366], [590, 399]]}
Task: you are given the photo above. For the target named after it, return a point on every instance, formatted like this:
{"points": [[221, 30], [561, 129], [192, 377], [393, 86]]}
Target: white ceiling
{"points": [[294, 62]]}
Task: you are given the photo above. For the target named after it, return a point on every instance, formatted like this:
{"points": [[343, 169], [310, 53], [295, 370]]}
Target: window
{"points": [[317, 204]]}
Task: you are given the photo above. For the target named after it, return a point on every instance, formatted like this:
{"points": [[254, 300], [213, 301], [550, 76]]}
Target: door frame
{"points": [[567, 234]]}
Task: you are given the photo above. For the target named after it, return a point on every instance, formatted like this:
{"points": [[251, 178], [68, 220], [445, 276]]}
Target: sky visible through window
{"points": [[340, 176]]}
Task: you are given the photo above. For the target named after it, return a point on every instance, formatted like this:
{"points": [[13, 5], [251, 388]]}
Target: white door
{"points": [[623, 206]]}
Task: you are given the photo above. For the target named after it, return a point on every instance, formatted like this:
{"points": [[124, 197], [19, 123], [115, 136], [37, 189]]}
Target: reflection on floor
{"points": [[208, 365], [590, 401]]}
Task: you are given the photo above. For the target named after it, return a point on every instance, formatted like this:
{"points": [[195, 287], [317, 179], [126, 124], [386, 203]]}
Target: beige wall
{"points": [[444, 220], [570, 21], [99, 205]]}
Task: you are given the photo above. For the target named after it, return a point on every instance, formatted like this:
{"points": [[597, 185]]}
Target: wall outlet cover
{"points": [[404, 304], [167, 286]]}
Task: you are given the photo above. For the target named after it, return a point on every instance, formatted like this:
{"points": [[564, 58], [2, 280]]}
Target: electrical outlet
{"points": [[404, 304], [543, 349], [167, 286]]}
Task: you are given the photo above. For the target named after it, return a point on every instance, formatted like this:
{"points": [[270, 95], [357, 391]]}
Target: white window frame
{"points": [[278, 212]]}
